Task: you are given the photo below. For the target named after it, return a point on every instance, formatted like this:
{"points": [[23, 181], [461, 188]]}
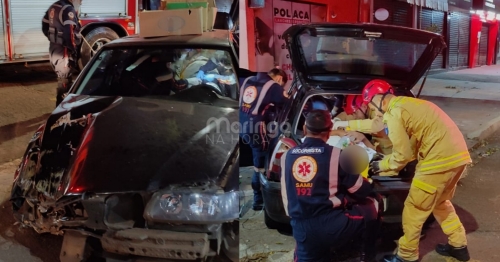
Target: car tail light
{"points": [[275, 167]]}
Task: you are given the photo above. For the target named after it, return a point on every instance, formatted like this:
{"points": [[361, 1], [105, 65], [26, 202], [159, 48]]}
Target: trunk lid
{"points": [[347, 56]]}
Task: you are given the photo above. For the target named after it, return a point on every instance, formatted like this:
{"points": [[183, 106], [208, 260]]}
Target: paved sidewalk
{"points": [[471, 97]]}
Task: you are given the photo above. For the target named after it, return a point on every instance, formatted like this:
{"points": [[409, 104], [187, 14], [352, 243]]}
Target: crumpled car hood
{"points": [[144, 144]]}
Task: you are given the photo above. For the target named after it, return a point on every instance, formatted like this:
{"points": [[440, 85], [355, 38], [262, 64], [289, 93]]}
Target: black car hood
{"points": [[396, 54], [141, 144]]}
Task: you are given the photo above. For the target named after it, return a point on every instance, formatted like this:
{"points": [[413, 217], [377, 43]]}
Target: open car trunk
{"points": [[347, 56]]}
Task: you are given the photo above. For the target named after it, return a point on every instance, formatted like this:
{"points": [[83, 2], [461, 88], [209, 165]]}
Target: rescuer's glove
{"points": [[375, 167], [378, 157]]}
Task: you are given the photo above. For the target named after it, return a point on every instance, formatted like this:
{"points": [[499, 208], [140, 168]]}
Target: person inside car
{"points": [[358, 119], [212, 67], [152, 74], [317, 180], [318, 103]]}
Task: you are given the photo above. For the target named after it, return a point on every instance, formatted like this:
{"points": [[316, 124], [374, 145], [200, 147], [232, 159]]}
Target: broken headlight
{"points": [[186, 206]]}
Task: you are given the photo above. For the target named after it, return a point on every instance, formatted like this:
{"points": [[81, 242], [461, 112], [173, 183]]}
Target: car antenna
{"points": [[423, 82]]}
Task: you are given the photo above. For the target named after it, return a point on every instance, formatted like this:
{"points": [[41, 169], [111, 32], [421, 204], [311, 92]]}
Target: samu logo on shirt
{"points": [[250, 94], [310, 150]]}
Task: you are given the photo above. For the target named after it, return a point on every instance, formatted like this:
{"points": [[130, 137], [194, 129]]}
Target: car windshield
{"points": [[325, 55], [162, 73]]}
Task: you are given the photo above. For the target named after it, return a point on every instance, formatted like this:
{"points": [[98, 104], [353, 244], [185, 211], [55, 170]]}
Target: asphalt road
{"points": [[477, 201], [27, 96]]}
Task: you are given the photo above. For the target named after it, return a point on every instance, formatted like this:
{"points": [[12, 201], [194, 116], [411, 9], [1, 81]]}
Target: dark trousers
{"points": [[256, 141], [316, 237], [62, 63]]}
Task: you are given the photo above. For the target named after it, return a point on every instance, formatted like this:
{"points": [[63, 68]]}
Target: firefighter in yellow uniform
{"points": [[442, 158]]}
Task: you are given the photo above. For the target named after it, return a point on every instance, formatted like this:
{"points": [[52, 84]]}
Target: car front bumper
{"points": [[157, 243]]}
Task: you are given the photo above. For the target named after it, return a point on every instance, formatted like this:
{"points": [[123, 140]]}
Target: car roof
{"points": [[212, 38]]}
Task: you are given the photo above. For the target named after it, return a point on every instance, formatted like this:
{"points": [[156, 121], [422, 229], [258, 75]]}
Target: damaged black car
{"points": [[131, 164]]}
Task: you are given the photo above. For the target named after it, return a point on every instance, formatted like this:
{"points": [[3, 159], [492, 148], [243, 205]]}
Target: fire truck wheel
{"points": [[95, 38]]}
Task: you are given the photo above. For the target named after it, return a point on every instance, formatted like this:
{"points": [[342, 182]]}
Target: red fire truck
{"points": [[22, 40]]}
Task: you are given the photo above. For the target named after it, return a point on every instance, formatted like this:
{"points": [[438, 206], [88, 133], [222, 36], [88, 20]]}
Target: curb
{"points": [[484, 132], [246, 193]]}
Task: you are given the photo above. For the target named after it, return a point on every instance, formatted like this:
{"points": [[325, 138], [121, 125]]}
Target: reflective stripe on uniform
{"points": [[334, 177], [61, 14], [424, 186], [69, 22], [263, 93], [449, 227], [356, 185], [284, 195], [358, 124], [444, 162], [243, 88]]}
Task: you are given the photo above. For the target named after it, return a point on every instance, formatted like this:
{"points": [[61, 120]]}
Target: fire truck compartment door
{"points": [[26, 28], [103, 8], [2, 35]]}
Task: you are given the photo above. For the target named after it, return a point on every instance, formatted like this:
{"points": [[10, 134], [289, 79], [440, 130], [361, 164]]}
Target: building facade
{"points": [[470, 27]]}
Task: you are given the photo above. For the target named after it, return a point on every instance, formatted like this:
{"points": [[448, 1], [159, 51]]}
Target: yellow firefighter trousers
{"points": [[431, 194]]}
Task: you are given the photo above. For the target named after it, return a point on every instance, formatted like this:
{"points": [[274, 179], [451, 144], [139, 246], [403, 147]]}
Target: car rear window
{"points": [[359, 56], [161, 73]]}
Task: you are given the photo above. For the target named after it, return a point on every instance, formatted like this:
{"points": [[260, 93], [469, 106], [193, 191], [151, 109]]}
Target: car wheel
{"points": [[230, 244], [271, 224], [95, 39]]}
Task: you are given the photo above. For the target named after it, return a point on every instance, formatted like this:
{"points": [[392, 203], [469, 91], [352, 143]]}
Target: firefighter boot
{"points": [[459, 253]]}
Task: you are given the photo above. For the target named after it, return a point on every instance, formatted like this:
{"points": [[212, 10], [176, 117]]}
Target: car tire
{"points": [[270, 223], [95, 38], [230, 245], [284, 229]]}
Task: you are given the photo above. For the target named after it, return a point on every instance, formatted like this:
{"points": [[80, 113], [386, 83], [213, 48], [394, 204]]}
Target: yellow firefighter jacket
{"points": [[374, 125], [439, 144], [371, 125]]}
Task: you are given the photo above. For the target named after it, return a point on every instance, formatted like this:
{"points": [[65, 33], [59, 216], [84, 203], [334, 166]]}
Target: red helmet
{"points": [[376, 87], [352, 103]]}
